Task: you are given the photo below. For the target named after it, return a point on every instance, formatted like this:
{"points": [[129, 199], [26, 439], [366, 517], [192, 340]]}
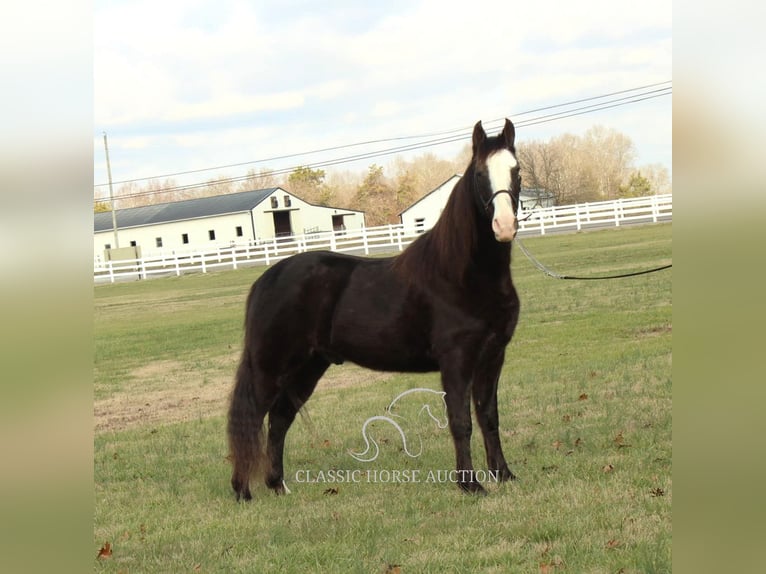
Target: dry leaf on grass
{"points": [[106, 551]]}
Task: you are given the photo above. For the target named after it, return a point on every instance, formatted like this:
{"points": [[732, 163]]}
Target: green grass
{"points": [[585, 406]]}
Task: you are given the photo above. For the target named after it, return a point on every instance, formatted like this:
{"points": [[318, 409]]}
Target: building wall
{"points": [[171, 234], [426, 212], [304, 217], [256, 226]]}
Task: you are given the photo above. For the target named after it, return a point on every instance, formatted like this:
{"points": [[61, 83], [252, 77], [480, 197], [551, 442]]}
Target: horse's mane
{"points": [[448, 248]]}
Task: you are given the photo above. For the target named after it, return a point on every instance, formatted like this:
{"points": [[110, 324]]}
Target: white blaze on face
{"points": [[499, 166]]}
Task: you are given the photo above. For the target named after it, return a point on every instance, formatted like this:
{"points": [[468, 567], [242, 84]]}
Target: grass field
{"points": [[585, 408]]}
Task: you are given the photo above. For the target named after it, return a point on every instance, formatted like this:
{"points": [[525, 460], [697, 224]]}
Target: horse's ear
{"points": [[479, 135], [509, 134]]}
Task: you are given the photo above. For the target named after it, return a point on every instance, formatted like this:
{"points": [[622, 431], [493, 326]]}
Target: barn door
{"points": [[282, 225], [337, 223]]}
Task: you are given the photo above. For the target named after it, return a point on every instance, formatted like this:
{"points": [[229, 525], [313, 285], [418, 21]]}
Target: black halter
{"points": [[494, 195]]}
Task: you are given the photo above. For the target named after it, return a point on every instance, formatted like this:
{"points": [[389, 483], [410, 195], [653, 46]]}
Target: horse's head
{"points": [[497, 179]]}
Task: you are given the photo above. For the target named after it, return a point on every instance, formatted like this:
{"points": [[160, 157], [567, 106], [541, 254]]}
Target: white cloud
{"points": [[252, 78]]}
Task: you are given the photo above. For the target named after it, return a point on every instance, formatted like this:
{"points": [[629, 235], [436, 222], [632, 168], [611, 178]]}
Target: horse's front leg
{"points": [[485, 402], [456, 382]]}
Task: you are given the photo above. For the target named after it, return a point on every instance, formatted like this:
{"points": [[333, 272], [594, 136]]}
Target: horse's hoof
{"points": [[505, 474], [281, 489], [472, 487], [241, 490], [244, 495], [278, 486]]}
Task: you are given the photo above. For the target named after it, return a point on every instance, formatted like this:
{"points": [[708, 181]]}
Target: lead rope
{"points": [[536, 262]]}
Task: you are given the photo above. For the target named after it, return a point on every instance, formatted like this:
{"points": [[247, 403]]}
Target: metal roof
{"points": [[182, 210]]}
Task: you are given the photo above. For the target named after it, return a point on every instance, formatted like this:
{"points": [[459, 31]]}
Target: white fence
{"points": [[388, 238]]}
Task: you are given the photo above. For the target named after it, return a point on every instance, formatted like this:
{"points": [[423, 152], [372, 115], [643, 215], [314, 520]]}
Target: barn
{"points": [[248, 217], [422, 214]]}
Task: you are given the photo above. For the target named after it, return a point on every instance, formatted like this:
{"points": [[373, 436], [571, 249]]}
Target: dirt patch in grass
{"points": [[163, 392]]}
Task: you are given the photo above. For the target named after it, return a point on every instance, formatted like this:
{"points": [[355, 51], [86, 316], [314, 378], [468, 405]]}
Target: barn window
{"points": [[158, 241], [211, 234], [274, 203], [287, 201], [420, 224], [108, 246], [184, 238], [239, 231], [132, 243]]}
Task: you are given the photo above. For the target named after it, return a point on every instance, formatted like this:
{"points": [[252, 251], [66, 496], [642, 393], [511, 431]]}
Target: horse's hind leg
{"points": [[296, 390]]}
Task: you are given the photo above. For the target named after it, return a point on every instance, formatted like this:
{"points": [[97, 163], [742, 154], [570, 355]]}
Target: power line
{"points": [[386, 140], [458, 134]]}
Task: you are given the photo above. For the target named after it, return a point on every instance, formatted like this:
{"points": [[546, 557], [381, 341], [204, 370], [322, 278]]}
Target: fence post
{"points": [[617, 213], [266, 253], [203, 262], [577, 218], [399, 233], [234, 258], [110, 266], [142, 268], [333, 244], [364, 241], [178, 266], [655, 208]]}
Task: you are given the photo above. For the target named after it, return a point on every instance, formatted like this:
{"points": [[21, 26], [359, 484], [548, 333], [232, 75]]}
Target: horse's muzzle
{"points": [[505, 228]]}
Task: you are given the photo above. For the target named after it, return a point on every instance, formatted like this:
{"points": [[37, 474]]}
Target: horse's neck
{"points": [[469, 233], [460, 249]]}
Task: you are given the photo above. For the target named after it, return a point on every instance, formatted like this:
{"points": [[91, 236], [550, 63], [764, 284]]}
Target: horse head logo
{"points": [[372, 449]]}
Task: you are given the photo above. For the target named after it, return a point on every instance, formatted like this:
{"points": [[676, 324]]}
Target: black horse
{"points": [[447, 304]]}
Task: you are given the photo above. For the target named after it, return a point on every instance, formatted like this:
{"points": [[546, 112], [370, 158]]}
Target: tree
{"points": [[308, 184], [611, 154], [416, 177], [261, 179], [377, 198], [637, 186], [406, 191], [658, 177], [576, 169], [218, 186]]}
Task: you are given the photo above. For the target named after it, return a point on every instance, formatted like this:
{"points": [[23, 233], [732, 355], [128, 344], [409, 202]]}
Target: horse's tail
{"points": [[245, 421]]}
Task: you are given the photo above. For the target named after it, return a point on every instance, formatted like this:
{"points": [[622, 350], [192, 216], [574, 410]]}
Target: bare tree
{"points": [[658, 176], [611, 154], [261, 179]]}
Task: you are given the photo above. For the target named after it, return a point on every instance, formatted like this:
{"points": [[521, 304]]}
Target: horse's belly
{"points": [[378, 326]]}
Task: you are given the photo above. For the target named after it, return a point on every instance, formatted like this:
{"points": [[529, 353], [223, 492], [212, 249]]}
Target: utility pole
{"points": [[111, 195]]}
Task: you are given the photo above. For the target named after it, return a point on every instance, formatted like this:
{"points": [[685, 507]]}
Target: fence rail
{"points": [[651, 209]]}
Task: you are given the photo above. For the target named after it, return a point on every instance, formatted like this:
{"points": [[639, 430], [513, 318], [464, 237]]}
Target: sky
{"points": [[196, 85]]}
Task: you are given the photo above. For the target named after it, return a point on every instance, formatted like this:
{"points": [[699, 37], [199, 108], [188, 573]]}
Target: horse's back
{"points": [[291, 306], [341, 307]]}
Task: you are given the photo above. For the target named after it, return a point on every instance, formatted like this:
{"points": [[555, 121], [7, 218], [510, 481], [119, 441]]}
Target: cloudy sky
{"points": [[196, 85]]}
